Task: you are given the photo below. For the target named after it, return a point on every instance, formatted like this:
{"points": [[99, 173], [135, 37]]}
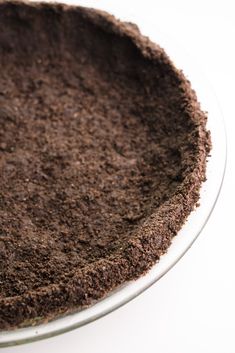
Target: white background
{"points": [[192, 308]]}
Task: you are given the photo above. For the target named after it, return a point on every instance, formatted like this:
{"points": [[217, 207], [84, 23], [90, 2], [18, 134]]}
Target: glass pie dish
{"points": [[180, 244]]}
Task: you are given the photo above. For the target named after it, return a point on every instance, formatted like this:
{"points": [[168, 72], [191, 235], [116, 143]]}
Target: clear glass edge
{"points": [[31, 334]]}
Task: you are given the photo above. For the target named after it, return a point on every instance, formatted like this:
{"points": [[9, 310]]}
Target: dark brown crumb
{"points": [[103, 150]]}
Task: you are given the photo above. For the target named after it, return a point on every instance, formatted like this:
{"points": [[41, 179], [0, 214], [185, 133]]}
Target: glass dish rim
{"points": [[69, 322]]}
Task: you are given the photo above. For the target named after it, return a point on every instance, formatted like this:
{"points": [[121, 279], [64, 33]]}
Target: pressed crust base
{"points": [[103, 149]]}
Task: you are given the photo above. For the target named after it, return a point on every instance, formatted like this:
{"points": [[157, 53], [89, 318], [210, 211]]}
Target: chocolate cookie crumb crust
{"points": [[103, 150]]}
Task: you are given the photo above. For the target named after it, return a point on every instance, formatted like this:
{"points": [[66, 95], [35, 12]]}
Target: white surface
{"points": [[191, 309]]}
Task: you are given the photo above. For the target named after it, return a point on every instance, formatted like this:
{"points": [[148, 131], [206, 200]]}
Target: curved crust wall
{"points": [[88, 107]]}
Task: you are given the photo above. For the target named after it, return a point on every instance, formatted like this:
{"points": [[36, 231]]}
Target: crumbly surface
{"points": [[102, 153]]}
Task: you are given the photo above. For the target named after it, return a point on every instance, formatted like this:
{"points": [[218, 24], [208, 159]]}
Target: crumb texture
{"points": [[102, 153]]}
